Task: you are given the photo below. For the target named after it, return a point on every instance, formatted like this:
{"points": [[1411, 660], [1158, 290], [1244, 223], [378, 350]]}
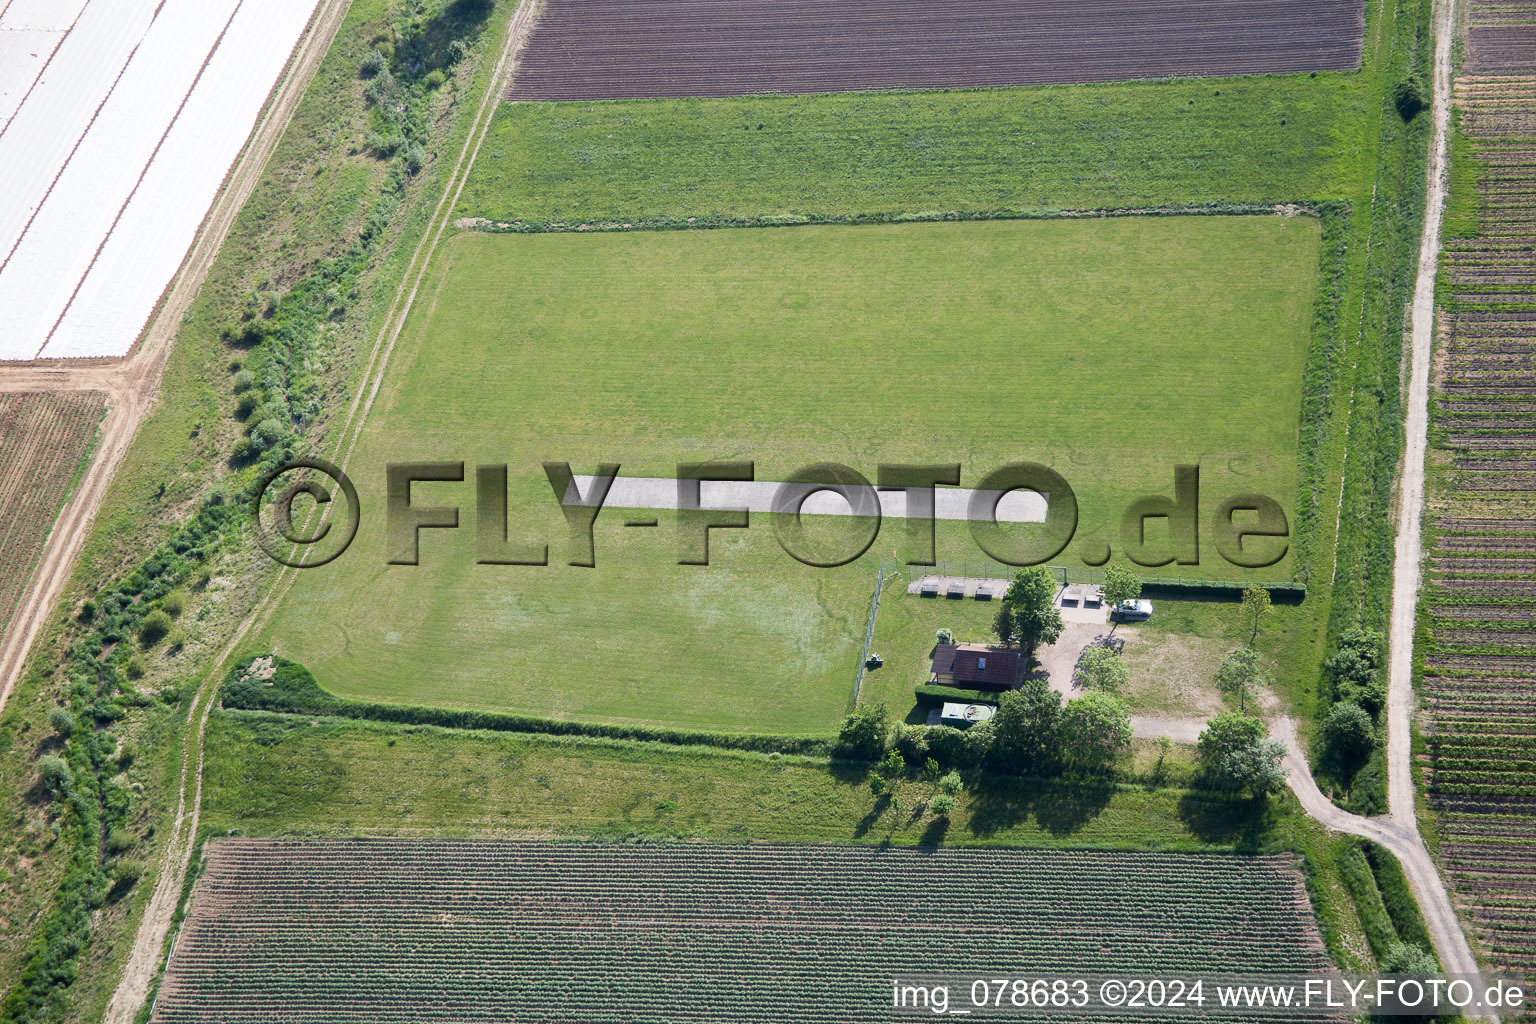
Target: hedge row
{"points": [[709, 221], [935, 696], [1280, 593], [293, 689]]}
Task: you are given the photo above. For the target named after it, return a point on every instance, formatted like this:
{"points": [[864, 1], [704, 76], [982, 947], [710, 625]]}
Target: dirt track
{"points": [[148, 945]]}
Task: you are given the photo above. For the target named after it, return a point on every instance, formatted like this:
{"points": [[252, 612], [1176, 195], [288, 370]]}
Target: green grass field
{"points": [[1277, 138], [270, 775], [1108, 348]]}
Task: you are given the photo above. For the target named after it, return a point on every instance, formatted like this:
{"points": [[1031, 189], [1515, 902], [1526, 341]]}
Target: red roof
{"points": [[995, 668]]}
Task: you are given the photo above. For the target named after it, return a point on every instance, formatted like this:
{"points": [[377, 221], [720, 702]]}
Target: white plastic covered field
{"points": [[119, 120]]}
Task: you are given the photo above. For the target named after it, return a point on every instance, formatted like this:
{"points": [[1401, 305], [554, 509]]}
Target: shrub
{"points": [[381, 143], [911, 742], [87, 611], [945, 636], [61, 722], [942, 805], [267, 434], [119, 840], [382, 89], [56, 774], [373, 65], [1349, 731], [951, 784], [154, 628], [246, 404], [435, 80], [174, 603], [415, 158], [1409, 97], [245, 380], [863, 733]]}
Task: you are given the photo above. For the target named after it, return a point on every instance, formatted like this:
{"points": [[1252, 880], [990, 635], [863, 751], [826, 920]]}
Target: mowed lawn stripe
{"points": [[1110, 349]]}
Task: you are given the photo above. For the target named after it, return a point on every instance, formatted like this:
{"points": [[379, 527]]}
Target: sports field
{"points": [[1109, 349]]}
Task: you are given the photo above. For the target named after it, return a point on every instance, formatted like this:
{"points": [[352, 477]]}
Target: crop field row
{"points": [[444, 930], [1480, 668], [42, 439], [616, 49]]}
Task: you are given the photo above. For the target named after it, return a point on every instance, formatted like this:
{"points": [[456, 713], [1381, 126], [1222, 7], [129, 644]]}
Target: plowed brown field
{"points": [[615, 49]]}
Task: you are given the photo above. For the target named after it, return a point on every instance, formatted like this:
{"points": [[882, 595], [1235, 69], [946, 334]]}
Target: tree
{"points": [[156, 624], [1164, 748], [1119, 585], [1255, 607], [1094, 729], [941, 805], [932, 773], [1349, 731], [894, 766], [1227, 732], [864, 732], [1101, 668], [1024, 730], [61, 722], [1236, 755], [951, 784], [945, 636], [1254, 768], [1037, 620], [1239, 671]]}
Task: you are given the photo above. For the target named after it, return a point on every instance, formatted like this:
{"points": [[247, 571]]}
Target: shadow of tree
{"points": [[1239, 821], [868, 821], [1061, 807]]}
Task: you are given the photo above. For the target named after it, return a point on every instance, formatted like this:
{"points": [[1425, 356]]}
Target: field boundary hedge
{"points": [[936, 696], [292, 688], [787, 220]]}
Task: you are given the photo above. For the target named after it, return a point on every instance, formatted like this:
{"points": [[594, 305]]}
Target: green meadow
{"points": [[1109, 349], [1268, 139]]}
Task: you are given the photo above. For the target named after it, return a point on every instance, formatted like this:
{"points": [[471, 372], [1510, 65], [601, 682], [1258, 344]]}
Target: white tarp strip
{"points": [[23, 52], [37, 142], [56, 15], [161, 221], [56, 250], [757, 496]]}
